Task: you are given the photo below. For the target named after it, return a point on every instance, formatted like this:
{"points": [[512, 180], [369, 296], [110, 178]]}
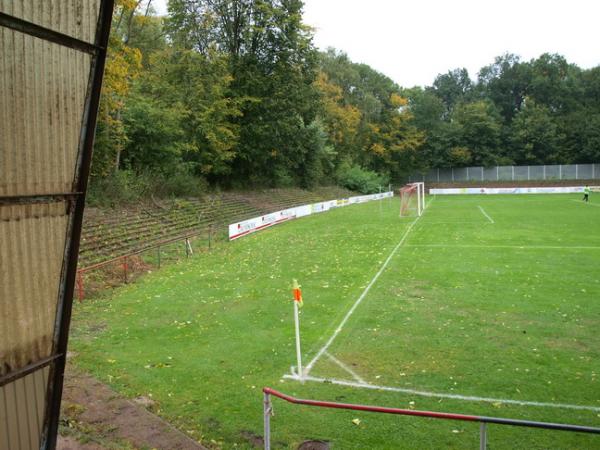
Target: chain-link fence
{"points": [[511, 173]]}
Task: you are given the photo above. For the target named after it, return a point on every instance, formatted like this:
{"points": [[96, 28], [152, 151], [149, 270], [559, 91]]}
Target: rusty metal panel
{"points": [[22, 405], [30, 265], [76, 18], [43, 88]]}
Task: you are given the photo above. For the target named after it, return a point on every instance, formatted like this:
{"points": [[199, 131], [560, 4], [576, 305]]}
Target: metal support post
{"points": [[267, 410], [158, 255], [482, 436], [80, 286], [298, 352], [188, 248]]}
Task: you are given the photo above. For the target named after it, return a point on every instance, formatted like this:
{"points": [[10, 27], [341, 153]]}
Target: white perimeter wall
{"points": [[515, 190], [239, 229]]}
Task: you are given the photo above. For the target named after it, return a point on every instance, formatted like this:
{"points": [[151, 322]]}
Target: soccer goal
{"points": [[412, 199]]}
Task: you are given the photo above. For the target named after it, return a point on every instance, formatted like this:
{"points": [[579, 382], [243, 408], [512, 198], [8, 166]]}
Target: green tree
{"points": [[534, 136], [453, 88], [479, 131], [507, 83]]}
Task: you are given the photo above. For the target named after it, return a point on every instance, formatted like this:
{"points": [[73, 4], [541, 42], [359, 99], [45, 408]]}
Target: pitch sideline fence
{"points": [[124, 260], [483, 420], [510, 173]]}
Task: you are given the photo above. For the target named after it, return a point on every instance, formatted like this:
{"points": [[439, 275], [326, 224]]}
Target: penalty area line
{"points": [[338, 329], [466, 398], [485, 214]]}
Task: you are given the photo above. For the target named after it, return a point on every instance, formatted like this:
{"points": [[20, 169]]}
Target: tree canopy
{"points": [[234, 93]]}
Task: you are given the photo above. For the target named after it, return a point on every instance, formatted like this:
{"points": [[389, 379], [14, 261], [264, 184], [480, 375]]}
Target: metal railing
{"points": [[511, 173], [483, 420]]}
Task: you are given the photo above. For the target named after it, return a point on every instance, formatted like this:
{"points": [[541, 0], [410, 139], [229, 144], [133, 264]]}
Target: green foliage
{"points": [[534, 136], [479, 131], [128, 187], [361, 180], [234, 92]]}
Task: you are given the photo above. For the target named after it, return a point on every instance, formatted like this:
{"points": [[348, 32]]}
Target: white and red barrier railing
{"points": [[483, 420]]}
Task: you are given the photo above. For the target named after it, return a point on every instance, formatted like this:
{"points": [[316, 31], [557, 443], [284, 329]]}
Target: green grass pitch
{"points": [[489, 306]]}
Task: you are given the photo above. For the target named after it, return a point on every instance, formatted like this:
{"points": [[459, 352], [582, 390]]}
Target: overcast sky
{"points": [[414, 41]]}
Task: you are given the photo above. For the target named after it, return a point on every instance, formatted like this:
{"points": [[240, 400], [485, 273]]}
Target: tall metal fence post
{"points": [[267, 408], [158, 255], [482, 436]]}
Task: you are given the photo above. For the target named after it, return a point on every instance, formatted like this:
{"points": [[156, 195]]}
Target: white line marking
{"points": [[587, 203], [337, 331], [474, 222], [518, 247], [485, 214], [346, 368], [466, 398]]}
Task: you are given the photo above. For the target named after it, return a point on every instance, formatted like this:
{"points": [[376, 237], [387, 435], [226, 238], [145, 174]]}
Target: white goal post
{"points": [[412, 199]]}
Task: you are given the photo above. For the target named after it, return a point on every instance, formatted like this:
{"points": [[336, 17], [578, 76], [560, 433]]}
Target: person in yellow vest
{"points": [[586, 193]]}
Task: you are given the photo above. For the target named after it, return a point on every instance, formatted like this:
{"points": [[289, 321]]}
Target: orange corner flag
{"points": [[297, 293]]}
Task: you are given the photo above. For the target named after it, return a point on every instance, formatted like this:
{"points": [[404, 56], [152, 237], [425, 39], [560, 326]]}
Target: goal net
{"points": [[412, 200]]}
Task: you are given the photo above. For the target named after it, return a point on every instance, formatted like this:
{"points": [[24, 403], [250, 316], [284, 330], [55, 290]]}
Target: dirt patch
{"points": [[254, 439], [94, 417], [314, 445]]}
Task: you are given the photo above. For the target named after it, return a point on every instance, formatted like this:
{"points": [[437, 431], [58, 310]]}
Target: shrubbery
{"points": [[125, 186], [361, 180]]}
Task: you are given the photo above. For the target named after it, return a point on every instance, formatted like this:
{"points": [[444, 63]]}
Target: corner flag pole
{"points": [[297, 305]]}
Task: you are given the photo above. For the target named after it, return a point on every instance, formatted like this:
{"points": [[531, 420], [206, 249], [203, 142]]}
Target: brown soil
{"points": [[94, 417]]}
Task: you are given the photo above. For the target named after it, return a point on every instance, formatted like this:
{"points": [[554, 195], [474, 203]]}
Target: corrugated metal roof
{"points": [[76, 18], [43, 88], [30, 266], [47, 117]]}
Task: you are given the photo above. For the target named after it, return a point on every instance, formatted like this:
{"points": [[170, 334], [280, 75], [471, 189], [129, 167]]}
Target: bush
{"points": [[126, 187], [361, 180]]}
